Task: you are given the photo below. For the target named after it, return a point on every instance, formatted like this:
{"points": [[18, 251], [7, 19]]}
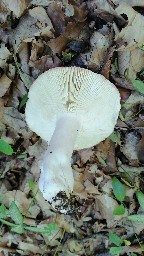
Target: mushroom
{"points": [[71, 108]]}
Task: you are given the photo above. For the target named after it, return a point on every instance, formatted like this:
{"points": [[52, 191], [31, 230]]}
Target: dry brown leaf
{"points": [[99, 44], [106, 205], [130, 2], [41, 2], [15, 6], [65, 222], [75, 247], [20, 199], [85, 155], [4, 55], [3, 15], [130, 58], [72, 31], [90, 188], [130, 33], [46, 62], [5, 83], [1, 109], [129, 149], [57, 18], [140, 149], [130, 63], [28, 28], [24, 57], [29, 247], [40, 14]]}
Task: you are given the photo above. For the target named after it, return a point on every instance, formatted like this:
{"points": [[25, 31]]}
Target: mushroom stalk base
{"points": [[56, 172]]}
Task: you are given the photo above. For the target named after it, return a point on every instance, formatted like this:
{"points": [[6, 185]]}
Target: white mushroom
{"points": [[70, 108]]}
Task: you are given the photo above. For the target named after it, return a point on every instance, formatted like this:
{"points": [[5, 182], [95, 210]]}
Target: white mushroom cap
{"points": [[90, 97], [70, 108]]}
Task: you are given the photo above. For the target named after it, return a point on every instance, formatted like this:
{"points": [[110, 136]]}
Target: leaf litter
{"points": [[106, 37]]}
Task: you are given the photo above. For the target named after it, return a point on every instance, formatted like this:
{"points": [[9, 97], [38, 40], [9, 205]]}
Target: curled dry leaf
{"points": [[4, 84]]}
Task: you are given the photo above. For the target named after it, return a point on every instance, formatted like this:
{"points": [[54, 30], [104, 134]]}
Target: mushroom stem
{"points": [[65, 134], [56, 172]]}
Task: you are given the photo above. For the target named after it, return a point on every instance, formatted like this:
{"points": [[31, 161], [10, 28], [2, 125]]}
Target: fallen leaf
{"points": [[5, 83], [90, 188], [106, 205], [1, 109], [57, 18], [130, 62], [29, 247], [72, 31], [140, 149], [15, 6], [4, 55], [40, 14], [130, 58], [46, 62], [130, 2], [20, 199], [129, 149]]}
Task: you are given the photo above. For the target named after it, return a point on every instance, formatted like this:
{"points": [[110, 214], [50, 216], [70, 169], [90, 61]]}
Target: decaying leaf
{"points": [[15, 6], [4, 84], [4, 55], [106, 205], [30, 25], [131, 58], [129, 148]]}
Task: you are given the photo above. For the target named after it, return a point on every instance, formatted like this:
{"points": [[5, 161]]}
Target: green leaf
{"points": [[140, 197], [15, 213], [19, 229], [50, 228], [139, 86], [115, 137], [115, 239], [136, 218], [120, 210], [118, 189], [5, 148], [23, 101], [46, 230], [141, 47], [3, 212], [121, 116], [31, 184], [115, 250], [127, 242]]}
